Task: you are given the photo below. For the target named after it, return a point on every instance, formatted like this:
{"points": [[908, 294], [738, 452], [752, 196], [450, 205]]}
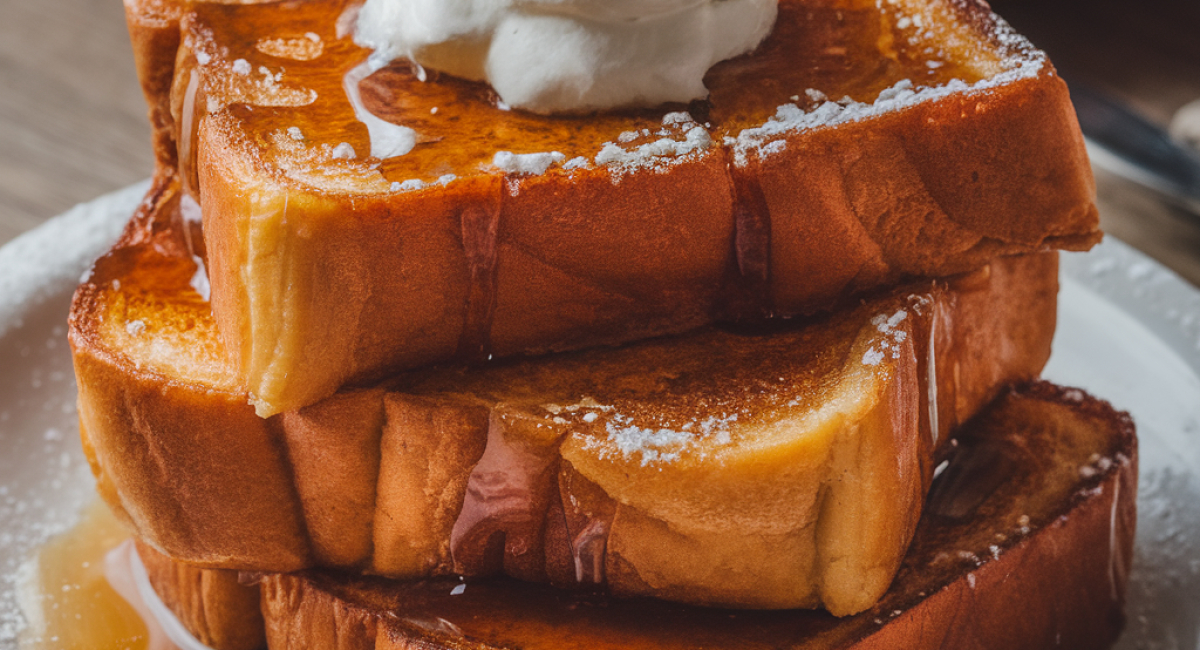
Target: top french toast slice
{"points": [[758, 469], [861, 144]]}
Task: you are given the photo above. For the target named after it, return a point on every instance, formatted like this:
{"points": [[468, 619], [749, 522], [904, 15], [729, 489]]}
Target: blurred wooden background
{"points": [[1147, 53], [72, 120]]}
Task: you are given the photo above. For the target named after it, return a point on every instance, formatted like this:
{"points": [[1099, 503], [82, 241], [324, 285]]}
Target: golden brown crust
{"points": [[219, 611], [377, 479], [331, 446], [154, 33], [151, 436], [1036, 558], [507, 264], [989, 577]]}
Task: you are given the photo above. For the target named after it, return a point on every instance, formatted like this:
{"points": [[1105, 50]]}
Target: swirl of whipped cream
{"points": [[551, 56]]}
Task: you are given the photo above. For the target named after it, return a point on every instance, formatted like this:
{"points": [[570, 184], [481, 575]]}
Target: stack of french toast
{"points": [[755, 371]]}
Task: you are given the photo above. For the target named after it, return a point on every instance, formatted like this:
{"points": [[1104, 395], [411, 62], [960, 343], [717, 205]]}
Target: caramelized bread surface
{"points": [[748, 469], [1025, 544], [949, 141], [218, 610]]}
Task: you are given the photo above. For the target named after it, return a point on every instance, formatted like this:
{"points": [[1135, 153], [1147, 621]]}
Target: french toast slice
{"points": [[747, 469], [213, 605], [1025, 544], [955, 143]]}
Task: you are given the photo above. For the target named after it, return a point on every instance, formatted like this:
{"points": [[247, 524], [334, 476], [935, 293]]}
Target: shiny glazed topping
{"points": [[557, 56], [298, 110]]}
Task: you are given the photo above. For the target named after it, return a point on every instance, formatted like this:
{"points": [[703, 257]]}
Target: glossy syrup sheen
{"points": [[76, 609], [149, 309], [754, 378], [758, 373], [843, 48]]}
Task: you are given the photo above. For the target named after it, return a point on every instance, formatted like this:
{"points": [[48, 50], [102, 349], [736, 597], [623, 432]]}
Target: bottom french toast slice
{"points": [[214, 606], [766, 470], [1025, 543]]}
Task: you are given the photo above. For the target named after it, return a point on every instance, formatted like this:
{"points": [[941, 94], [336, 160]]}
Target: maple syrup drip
{"points": [[925, 309], [188, 130], [977, 468], [1119, 524], [1025, 490], [480, 226], [931, 380], [589, 549], [499, 528], [587, 515], [749, 295]]}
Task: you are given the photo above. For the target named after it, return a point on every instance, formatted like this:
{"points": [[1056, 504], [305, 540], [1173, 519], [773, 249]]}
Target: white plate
{"points": [[1129, 331]]}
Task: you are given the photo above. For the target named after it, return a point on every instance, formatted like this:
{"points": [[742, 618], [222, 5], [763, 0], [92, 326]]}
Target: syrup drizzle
{"points": [[191, 216], [501, 527], [929, 309], [187, 134], [588, 549], [65, 596], [931, 379], [501, 515], [751, 295], [1116, 564], [480, 229]]}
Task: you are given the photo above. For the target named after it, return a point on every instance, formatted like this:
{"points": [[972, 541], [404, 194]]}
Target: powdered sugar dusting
{"points": [[417, 184], [41, 262], [633, 150], [325, 166], [1095, 466], [763, 141], [888, 346], [304, 48], [526, 163], [579, 162], [654, 445]]}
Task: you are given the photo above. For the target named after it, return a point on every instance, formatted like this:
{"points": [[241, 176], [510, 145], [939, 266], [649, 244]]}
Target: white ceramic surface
{"points": [[1129, 331]]}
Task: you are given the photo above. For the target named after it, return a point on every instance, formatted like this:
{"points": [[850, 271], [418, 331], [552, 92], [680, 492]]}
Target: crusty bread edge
{"points": [[205, 480], [1056, 586], [1028, 122]]}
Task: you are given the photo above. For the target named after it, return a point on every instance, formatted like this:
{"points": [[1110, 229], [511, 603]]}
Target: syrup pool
{"points": [[68, 602]]}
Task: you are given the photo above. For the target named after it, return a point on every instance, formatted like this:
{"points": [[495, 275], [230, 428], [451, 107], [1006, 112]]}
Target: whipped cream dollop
{"points": [[550, 56]]}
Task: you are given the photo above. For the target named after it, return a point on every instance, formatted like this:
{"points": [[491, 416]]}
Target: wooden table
{"points": [[1146, 52], [72, 119]]}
